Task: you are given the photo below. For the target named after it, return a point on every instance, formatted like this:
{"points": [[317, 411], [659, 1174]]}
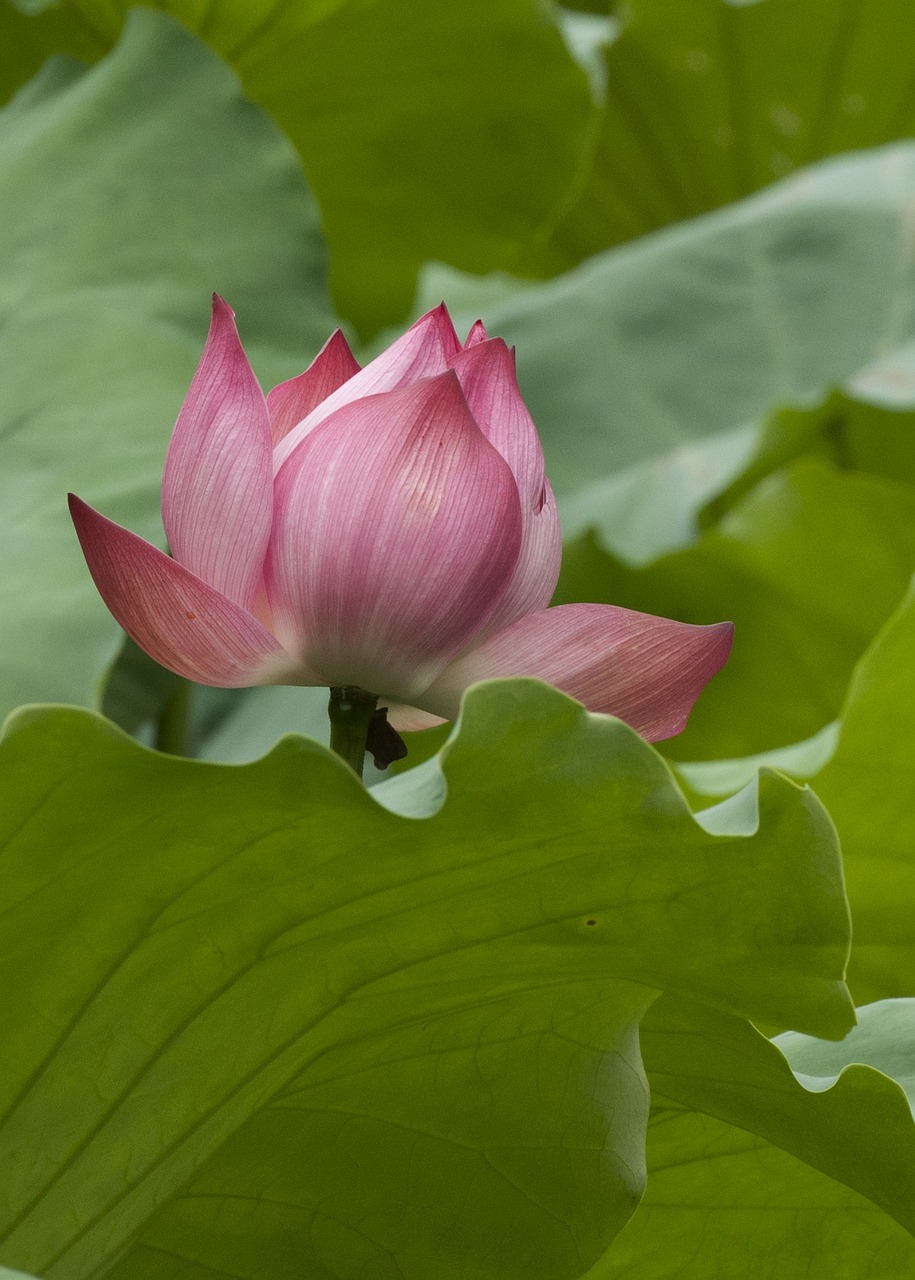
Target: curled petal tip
{"points": [[645, 670], [221, 308], [720, 641], [337, 342], [436, 313], [180, 621], [726, 631]]}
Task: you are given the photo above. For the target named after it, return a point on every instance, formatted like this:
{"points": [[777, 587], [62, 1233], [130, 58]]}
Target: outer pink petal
{"points": [[217, 494], [427, 348], [647, 671], [397, 529], [534, 580], [294, 400], [177, 618], [487, 374]]}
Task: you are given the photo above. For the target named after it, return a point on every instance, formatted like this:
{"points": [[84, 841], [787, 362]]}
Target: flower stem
{"points": [[171, 727], [350, 710]]}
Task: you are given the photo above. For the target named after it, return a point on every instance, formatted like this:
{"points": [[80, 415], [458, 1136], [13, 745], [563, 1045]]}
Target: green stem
{"points": [[350, 710], [171, 729]]}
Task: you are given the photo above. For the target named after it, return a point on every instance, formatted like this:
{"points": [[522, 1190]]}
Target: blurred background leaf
{"points": [[129, 196], [506, 135], [445, 131], [704, 329], [28, 37], [708, 100]]}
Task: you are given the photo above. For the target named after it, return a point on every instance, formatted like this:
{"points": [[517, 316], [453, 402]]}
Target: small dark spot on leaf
{"points": [[590, 922]]}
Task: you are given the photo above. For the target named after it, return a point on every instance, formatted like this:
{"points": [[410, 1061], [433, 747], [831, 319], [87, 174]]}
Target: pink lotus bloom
{"points": [[391, 528]]}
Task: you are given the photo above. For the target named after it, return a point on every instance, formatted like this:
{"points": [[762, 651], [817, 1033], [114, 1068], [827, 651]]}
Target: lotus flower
{"points": [[390, 528]]}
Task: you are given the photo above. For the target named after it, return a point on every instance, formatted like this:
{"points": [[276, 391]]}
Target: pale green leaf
{"points": [[863, 768], [282, 1026], [869, 786], [882, 1040], [131, 195], [657, 359]]}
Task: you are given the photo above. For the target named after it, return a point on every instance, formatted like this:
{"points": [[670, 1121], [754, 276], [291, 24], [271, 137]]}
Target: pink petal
{"points": [[294, 400], [397, 529], [477, 334], [490, 384], [427, 348], [487, 374], [178, 619], [410, 719], [534, 580], [217, 493], [647, 671]]}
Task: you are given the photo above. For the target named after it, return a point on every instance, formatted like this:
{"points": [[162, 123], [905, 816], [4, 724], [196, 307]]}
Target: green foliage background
{"points": [[551, 1004]]}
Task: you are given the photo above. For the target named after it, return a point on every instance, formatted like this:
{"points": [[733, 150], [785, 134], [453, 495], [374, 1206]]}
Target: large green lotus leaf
{"points": [[863, 768], [261, 1018], [707, 100], [757, 1173], [869, 784], [131, 192], [445, 131], [808, 566], [701, 329]]}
